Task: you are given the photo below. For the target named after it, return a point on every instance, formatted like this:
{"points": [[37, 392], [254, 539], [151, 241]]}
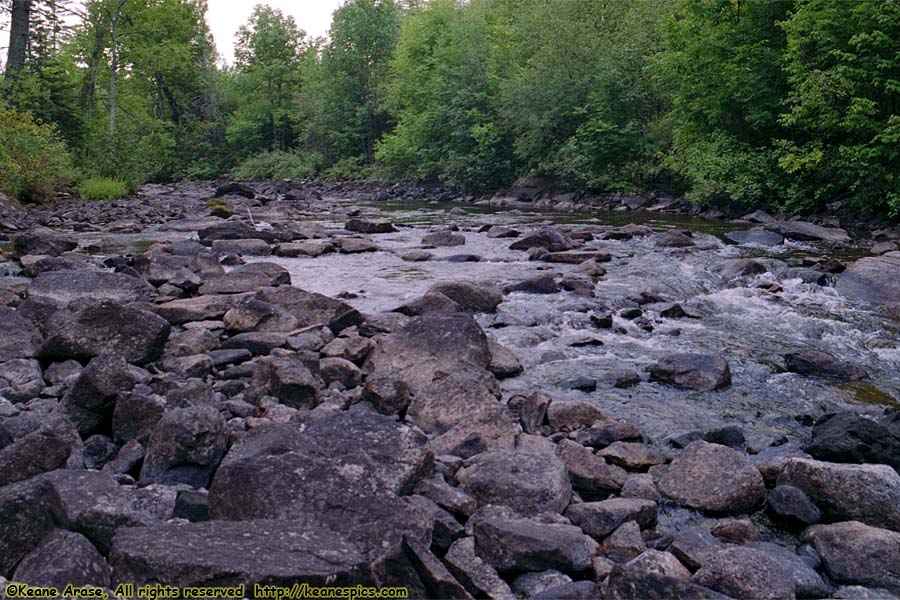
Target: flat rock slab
{"points": [[233, 553], [803, 231], [63, 287], [514, 544], [874, 279], [692, 371], [713, 478]]}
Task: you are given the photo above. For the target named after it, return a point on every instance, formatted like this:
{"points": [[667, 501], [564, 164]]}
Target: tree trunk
{"points": [[18, 36]]}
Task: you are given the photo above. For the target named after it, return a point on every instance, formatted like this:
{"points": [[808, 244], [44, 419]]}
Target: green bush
{"points": [[103, 188], [278, 165], [34, 162]]}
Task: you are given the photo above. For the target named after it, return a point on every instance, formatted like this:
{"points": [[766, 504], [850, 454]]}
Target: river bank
{"points": [[468, 397]]}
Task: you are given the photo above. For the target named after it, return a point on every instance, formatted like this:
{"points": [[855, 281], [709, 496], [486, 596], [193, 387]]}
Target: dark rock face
{"points": [[63, 287], [746, 573], [654, 576], [511, 544], [136, 415], [850, 438], [91, 401], [692, 371], [739, 267], [599, 519], [874, 279], [345, 472], [856, 553], [289, 380], [440, 405], [369, 226], [820, 364], [528, 483], [311, 309], [674, 239], [866, 493], [185, 447], [235, 188], [755, 236], [48, 444], [791, 503], [26, 516], [713, 478], [63, 558], [138, 336], [549, 239], [19, 338], [48, 244], [470, 296], [230, 554]]}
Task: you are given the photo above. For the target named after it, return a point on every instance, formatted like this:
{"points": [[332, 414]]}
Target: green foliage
{"points": [[103, 188], [278, 165], [34, 162]]}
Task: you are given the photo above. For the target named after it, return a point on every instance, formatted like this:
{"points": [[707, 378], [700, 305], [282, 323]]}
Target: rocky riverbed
{"points": [[213, 385]]}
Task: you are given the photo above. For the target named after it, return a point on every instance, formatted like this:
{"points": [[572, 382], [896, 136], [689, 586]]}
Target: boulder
{"points": [[703, 372], [513, 544], [437, 579], [135, 416], [549, 239], [289, 380], [470, 296], [874, 279], [757, 236], [738, 267], [202, 308], [185, 447], [855, 553], [866, 493], [369, 226], [479, 578], [589, 472], [742, 572], [389, 394], [803, 231], [430, 303], [674, 239], [91, 401], [234, 188], [310, 308], [655, 575], [341, 371], [64, 287], [791, 504], [820, 364], [26, 516], [713, 478], [266, 552], [38, 445], [607, 431], [345, 472], [443, 239], [851, 438], [21, 380], [109, 328], [542, 284], [573, 414], [63, 558], [503, 362], [528, 483], [313, 249], [19, 337], [46, 243], [632, 455], [599, 519], [807, 581], [492, 428], [440, 405]]}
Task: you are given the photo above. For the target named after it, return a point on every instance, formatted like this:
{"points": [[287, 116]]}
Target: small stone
{"points": [[739, 531]]}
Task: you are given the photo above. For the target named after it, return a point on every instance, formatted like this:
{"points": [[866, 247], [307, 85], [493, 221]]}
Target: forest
{"points": [[789, 105]]}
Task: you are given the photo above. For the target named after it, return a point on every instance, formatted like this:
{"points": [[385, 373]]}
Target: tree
{"points": [[20, 22]]}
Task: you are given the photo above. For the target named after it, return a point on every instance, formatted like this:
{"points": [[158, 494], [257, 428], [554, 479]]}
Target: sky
{"points": [[225, 16]]}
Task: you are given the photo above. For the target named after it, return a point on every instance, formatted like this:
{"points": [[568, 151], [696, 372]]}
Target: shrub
{"points": [[34, 162], [278, 165], [103, 188]]}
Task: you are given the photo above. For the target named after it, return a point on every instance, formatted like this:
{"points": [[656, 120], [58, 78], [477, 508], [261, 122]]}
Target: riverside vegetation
{"points": [[779, 104]]}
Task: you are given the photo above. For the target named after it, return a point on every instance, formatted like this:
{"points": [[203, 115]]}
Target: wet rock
{"points": [[289, 380], [443, 239], [46, 243], [573, 414], [575, 258], [19, 338], [369, 226], [534, 411], [313, 249], [345, 472], [820, 364], [350, 245], [230, 554], [587, 471], [512, 544], [91, 401], [793, 505], [739, 267], [428, 344], [37, 445], [549, 239], [185, 447], [803, 231], [478, 577], [430, 303], [542, 284], [742, 572], [865, 493], [692, 371], [757, 236], [64, 287], [471, 296], [136, 335], [250, 247], [713, 478], [674, 239], [599, 519], [63, 558], [499, 231], [528, 483], [247, 278], [491, 428], [631, 455], [738, 531], [416, 256], [440, 405], [850, 438], [20, 380], [855, 553], [235, 188]]}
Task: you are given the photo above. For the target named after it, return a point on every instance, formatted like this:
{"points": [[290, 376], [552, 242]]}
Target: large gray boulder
{"points": [[63, 558], [550, 239], [756, 236], [136, 335], [821, 364], [91, 401], [26, 516], [265, 552], [63, 287], [186, 446], [440, 405], [851, 438], [874, 279], [803, 231], [42, 242], [713, 478], [39, 444], [692, 371], [289, 380], [599, 519], [528, 483], [19, 337], [855, 553], [310, 308], [471, 296], [655, 575], [742, 572], [866, 493]]}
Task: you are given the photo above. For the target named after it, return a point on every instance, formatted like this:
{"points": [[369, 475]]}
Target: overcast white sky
{"points": [[225, 16]]}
